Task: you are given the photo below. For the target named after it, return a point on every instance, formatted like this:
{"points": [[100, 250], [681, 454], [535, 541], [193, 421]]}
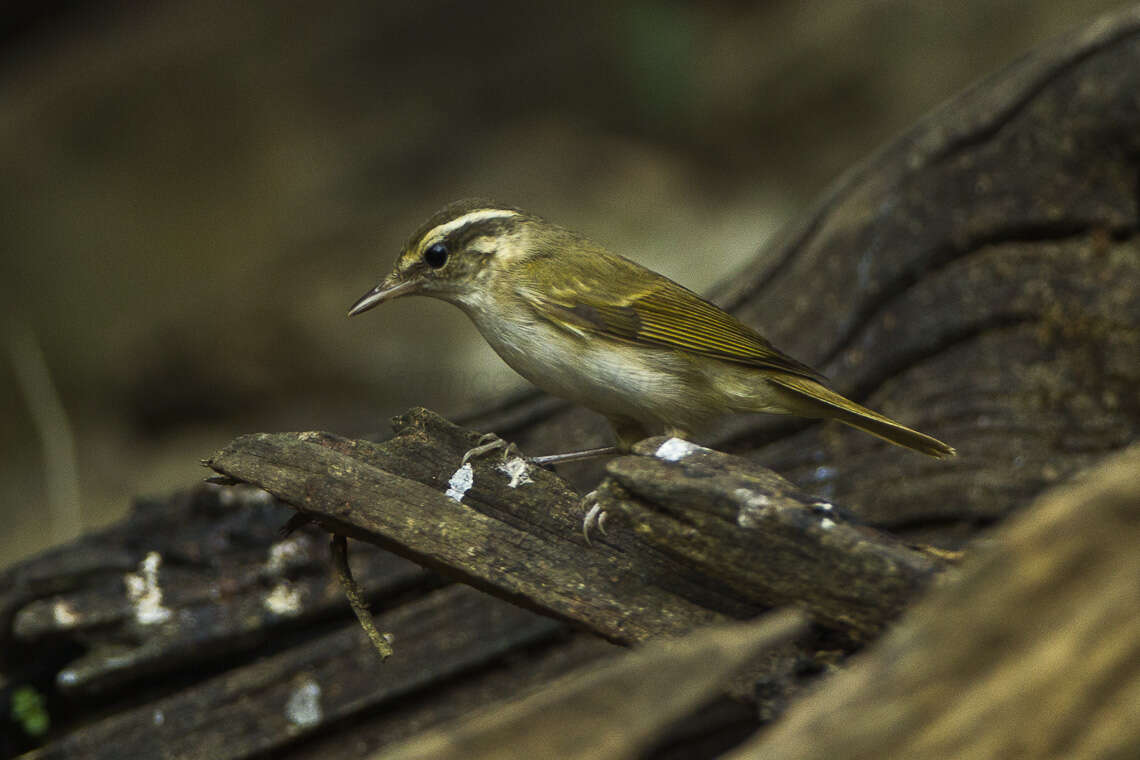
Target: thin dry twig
{"points": [[352, 590]]}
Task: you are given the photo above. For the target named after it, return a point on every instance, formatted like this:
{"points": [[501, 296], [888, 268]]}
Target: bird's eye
{"points": [[436, 255]]}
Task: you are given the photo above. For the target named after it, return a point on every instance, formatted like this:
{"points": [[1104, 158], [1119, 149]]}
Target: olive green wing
{"points": [[655, 312]]}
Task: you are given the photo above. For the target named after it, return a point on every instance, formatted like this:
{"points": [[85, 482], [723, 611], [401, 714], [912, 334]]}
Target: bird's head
{"points": [[457, 254]]}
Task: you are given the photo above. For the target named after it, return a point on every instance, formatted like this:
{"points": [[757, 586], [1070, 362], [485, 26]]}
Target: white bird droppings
{"points": [[461, 482], [675, 449], [516, 469], [145, 593], [827, 523], [304, 706]]}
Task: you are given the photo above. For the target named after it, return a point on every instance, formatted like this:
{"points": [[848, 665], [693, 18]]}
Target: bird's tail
{"points": [[816, 400]]}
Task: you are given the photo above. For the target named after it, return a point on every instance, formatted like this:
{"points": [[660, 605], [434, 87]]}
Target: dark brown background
{"points": [[192, 193]]}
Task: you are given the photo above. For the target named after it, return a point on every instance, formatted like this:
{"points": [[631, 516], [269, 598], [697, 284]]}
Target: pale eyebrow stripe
{"points": [[470, 217]]}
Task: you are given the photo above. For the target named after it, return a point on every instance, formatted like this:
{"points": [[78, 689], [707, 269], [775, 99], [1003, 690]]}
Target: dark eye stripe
{"points": [[484, 228]]}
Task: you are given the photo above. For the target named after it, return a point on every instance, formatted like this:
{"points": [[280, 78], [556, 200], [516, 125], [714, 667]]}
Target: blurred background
{"points": [[193, 192]]}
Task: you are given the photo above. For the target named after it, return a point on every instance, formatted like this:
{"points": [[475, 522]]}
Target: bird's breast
{"points": [[609, 376]]}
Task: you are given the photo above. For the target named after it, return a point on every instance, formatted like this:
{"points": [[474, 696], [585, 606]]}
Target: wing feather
{"points": [[659, 312]]}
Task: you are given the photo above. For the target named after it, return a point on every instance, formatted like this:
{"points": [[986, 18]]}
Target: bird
{"points": [[598, 329]]}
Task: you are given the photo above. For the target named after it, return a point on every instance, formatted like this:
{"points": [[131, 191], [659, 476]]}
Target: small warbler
{"points": [[596, 328]]}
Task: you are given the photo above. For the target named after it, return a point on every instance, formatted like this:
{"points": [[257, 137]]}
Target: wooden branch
{"points": [[695, 562], [521, 542], [355, 595], [1033, 651], [747, 529]]}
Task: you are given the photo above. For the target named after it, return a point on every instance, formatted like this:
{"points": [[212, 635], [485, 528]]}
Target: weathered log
{"points": [[144, 633], [317, 682], [512, 528], [601, 713], [142, 598], [1034, 651], [509, 528], [758, 537]]}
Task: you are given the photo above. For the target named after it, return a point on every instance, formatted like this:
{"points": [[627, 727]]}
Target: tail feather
{"points": [[820, 401]]}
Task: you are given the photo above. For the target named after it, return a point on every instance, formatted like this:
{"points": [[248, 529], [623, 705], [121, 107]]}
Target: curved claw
{"points": [[595, 516]]}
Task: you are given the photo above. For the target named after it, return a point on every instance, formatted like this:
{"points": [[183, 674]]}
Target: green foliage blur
{"points": [[29, 711]]}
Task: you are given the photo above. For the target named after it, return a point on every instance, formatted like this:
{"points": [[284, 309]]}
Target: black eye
{"points": [[436, 255]]}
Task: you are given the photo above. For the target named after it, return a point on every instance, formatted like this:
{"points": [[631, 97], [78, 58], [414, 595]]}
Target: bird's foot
{"points": [[487, 443], [595, 516]]}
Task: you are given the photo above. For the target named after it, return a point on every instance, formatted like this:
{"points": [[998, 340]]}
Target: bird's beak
{"points": [[385, 291]]}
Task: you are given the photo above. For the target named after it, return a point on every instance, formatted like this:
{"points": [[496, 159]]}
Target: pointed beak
{"points": [[385, 291]]}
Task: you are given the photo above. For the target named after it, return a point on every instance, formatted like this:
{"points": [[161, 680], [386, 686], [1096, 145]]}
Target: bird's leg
{"points": [[576, 456], [627, 432], [489, 442]]}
